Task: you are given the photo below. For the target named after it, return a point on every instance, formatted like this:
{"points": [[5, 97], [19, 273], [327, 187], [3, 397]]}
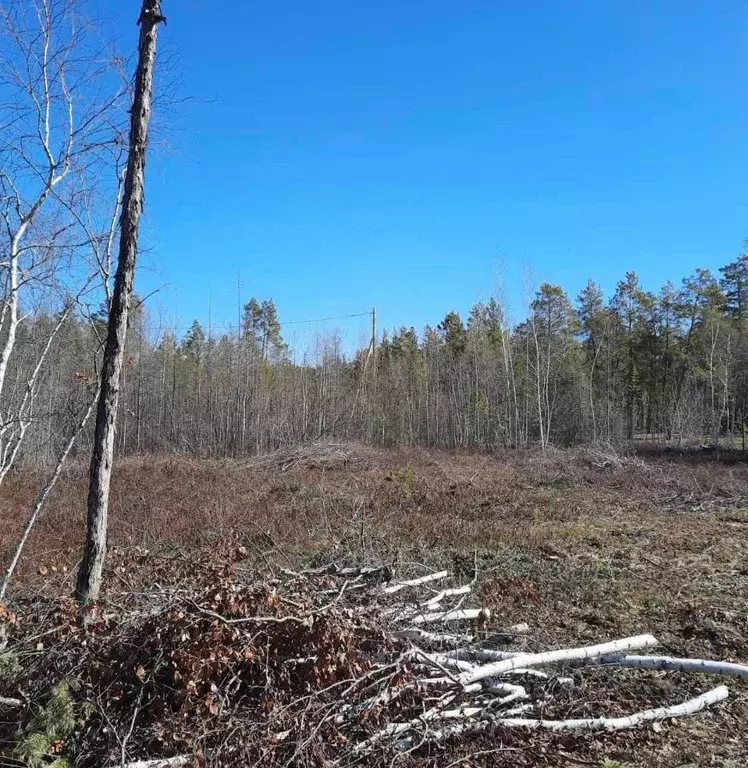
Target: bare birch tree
{"points": [[89, 575], [57, 123]]}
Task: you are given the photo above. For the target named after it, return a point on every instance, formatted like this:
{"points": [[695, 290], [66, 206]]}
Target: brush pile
{"points": [[319, 454], [201, 664]]}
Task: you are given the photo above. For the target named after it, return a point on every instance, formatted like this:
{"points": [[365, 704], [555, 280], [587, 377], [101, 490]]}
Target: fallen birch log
{"points": [[509, 691], [423, 635], [470, 725], [683, 665], [442, 660], [393, 588], [529, 673], [690, 707], [480, 654], [513, 693], [461, 713], [554, 657], [10, 703], [395, 728], [437, 598], [169, 762]]}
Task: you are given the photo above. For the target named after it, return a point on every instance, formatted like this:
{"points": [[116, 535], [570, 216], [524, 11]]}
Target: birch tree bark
{"points": [[57, 123], [89, 575]]}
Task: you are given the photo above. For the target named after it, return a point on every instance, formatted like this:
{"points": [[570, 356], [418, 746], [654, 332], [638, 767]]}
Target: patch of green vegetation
{"points": [[47, 733], [612, 764], [404, 477], [9, 666]]}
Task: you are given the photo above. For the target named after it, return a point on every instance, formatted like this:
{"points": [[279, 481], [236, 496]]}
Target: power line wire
{"points": [[232, 326]]}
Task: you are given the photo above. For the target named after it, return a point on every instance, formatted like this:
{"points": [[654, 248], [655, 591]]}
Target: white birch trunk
{"points": [[553, 657]]}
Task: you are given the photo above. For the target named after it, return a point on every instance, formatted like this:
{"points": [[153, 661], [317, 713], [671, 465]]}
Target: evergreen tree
{"points": [[452, 331], [735, 286]]}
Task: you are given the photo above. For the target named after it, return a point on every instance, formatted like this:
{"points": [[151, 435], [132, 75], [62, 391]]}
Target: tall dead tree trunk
{"points": [[89, 576]]}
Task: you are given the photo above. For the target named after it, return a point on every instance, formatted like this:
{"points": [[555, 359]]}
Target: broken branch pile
{"points": [[329, 666]]}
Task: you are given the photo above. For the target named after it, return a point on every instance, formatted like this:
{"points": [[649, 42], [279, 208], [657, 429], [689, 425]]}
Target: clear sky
{"points": [[343, 155]]}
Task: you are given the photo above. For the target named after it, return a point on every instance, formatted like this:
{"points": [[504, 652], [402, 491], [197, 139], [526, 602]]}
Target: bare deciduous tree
{"points": [[89, 576], [58, 121]]}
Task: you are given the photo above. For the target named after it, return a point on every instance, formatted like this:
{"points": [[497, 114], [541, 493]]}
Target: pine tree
{"points": [[452, 331]]}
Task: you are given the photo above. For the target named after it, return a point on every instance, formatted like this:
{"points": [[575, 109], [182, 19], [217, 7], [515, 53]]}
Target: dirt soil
{"points": [[585, 545]]}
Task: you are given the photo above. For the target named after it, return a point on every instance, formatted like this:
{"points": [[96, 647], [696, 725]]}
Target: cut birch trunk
{"points": [[508, 691], [511, 693], [471, 725], [394, 728], [436, 599], [169, 762], [690, 707], [529, 673], [461, 713], [442, 660], [684, 665], [553, 657], [479, 654], [393, 588], [423, 635], [10, 703]]}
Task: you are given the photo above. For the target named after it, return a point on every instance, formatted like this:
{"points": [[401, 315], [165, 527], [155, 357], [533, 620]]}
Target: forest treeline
{"points": [[670, 366]]}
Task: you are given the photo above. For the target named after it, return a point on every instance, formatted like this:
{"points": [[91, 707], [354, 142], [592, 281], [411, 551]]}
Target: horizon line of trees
{"points": [[668, 366]]}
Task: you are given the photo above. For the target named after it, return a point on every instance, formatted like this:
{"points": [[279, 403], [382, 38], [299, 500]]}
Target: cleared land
{"points": [[583, 545]]}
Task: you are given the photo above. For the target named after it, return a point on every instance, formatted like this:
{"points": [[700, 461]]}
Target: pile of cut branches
{"points": [[196, 661], [319, 454]]}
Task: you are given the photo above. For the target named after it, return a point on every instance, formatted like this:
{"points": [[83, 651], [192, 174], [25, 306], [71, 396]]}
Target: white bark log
{"points": [[470, 726], [480, 654], [430, 637], [394, 728], [442, 660], [684, 665], [518, 710], [690, 707], [9, 703], [169, 762], [508, 692], [554, 657], [436, 599], [530, 673], [461, 713], [415, 582]]}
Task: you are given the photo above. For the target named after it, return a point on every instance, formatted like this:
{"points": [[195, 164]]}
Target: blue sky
{"points": [[404, 154]]}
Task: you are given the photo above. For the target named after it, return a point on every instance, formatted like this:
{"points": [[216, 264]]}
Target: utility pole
{"points": [[94, 553], [373, 330]]}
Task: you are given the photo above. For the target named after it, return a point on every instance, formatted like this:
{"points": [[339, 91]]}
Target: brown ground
{"points": [[583, 545]]}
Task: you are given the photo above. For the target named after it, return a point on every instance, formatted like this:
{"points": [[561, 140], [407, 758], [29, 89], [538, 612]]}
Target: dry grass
{"points": [[583, 545]]}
